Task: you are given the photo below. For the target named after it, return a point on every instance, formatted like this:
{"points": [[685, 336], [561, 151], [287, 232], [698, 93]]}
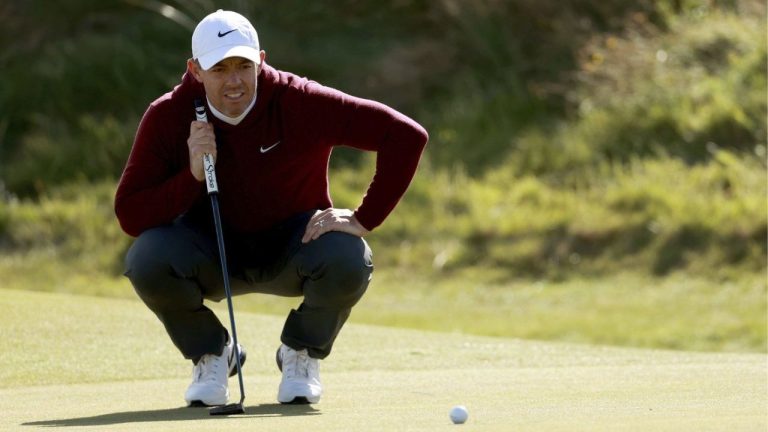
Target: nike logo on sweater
{"points": [[266, 149]]}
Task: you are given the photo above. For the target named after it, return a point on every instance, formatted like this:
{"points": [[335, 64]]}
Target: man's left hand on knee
{"points": [[333, 219]]}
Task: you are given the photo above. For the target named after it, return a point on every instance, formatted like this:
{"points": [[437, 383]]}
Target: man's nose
{"points": [[233, 78]]}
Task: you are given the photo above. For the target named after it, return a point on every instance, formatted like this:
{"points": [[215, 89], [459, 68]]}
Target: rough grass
{"points": [[653, 216]]}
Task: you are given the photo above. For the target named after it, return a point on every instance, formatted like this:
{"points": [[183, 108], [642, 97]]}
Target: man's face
{"points": [[229, 84]]}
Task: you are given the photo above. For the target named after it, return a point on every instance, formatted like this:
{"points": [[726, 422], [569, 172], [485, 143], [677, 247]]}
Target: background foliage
{"points": [[572, 142]]}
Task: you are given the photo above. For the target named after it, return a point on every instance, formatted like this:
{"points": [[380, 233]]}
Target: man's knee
{"points": [[145, 261], [157, 261], [344, 263]]}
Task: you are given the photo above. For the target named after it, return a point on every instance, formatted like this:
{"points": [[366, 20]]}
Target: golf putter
{"points": [[213, 192]]}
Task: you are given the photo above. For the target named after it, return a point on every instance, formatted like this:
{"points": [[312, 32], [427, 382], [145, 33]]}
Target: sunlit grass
{"points": [[680, 311]]}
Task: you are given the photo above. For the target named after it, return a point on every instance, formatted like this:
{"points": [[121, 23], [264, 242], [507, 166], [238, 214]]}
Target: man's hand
{"points": [[333, 219], [201, 141]]}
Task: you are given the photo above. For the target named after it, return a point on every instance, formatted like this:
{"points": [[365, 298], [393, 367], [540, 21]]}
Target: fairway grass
{"points": [[87, 363]]}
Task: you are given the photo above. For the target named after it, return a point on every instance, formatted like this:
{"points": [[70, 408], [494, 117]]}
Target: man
{"points": [[271, 134]]}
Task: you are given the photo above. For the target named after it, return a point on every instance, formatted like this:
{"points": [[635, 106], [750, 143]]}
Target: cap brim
{"points": [[211, 58]]}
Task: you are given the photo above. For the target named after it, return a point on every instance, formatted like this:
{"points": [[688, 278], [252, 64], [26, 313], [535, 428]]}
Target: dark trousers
{"points": [[174, 268]]}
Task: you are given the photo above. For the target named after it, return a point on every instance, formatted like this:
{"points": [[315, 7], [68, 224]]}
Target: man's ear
{"points": [[262, 56], [194, 69]]}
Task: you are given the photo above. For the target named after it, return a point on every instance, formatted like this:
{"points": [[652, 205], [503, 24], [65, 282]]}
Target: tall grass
{"points": [[656, 216], [73, 225]]}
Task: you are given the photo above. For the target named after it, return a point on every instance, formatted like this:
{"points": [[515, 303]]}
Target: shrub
{"points": [[75, 224], [680, 93], [654, 216], [95, 149]]}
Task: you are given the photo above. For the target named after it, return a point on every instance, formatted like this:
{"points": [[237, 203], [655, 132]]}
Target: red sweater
{"points": [[259, 189]]}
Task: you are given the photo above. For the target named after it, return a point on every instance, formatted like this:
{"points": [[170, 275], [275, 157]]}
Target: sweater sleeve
{"points": [[398, 141], [154, 188]]}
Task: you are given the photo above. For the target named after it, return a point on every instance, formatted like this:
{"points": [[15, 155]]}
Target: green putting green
{"points": [[104, 364]]}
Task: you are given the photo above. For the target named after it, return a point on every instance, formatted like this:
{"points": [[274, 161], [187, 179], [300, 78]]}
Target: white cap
{"points": [[224, 34]]}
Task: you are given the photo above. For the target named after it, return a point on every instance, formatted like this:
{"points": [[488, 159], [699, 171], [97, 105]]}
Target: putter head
{"points": [[231, 409]]}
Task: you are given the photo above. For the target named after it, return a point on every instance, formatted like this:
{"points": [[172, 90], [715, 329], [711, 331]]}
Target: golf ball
{"points": [[459, 414]]}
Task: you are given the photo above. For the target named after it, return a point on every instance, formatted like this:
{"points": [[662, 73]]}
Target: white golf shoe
{"points": [[209, 385], [301, 377]]}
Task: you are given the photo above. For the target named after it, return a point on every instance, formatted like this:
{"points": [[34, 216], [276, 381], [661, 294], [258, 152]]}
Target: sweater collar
{"points": [[265, 89], [234, 121]]}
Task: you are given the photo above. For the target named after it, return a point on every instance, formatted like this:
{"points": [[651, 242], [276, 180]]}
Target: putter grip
{"points": [[208, 165]]}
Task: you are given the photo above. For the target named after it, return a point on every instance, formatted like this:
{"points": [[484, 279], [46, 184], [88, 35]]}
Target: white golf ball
{"points": [[459, 414]]}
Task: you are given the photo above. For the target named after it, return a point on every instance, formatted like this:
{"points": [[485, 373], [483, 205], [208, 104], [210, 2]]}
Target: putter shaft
{"points": [[227, 290], [213, 191]]}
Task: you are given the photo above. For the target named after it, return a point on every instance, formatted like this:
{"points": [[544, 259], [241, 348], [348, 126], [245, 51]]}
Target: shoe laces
{"points": [[298, 364], [209, 367]]}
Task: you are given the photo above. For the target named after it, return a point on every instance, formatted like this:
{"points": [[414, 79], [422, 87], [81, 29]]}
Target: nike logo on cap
{"points": [[225, 33], [266, 149]]}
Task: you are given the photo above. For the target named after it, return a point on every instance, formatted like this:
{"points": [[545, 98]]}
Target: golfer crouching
{"points": [[271, 134]]}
